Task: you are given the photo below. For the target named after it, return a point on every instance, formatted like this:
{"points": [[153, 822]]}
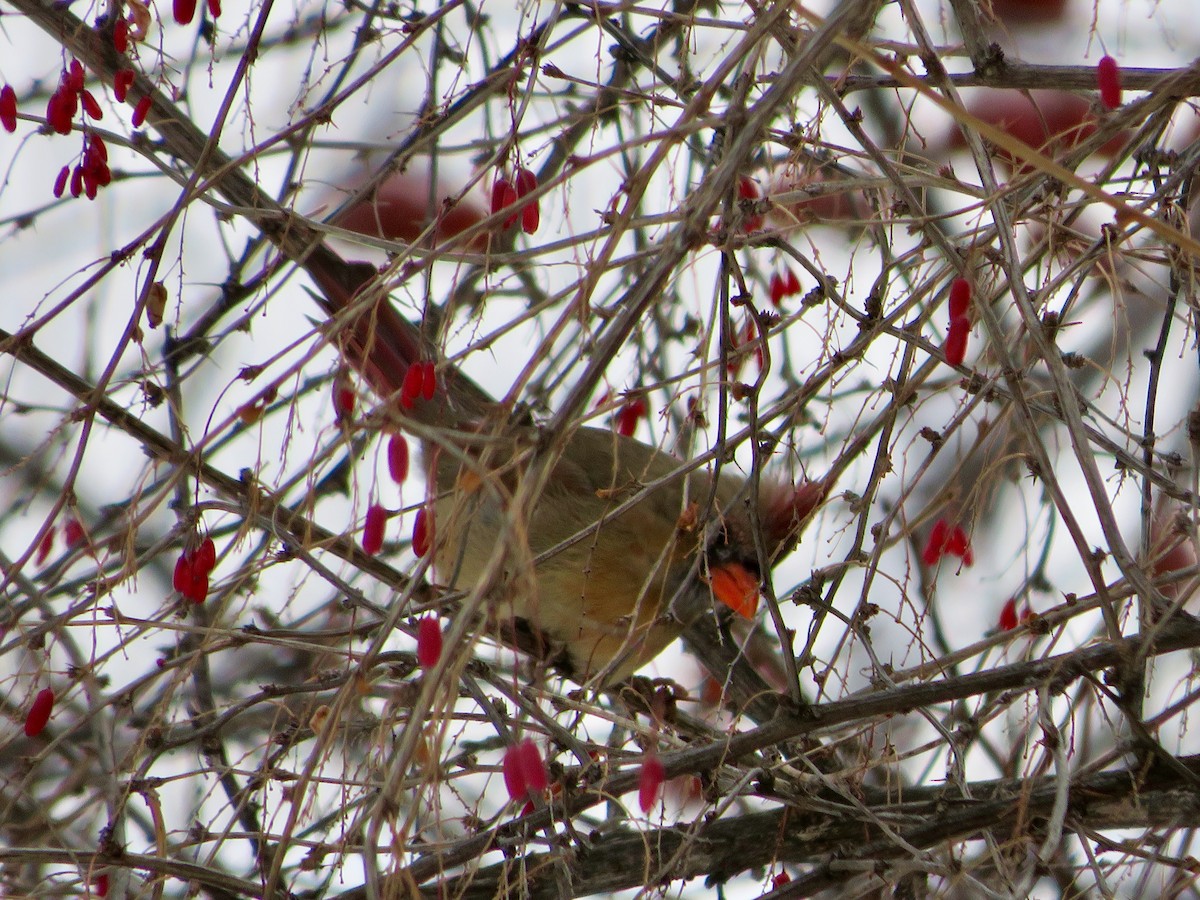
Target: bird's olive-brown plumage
{"points": [[605, 599]]}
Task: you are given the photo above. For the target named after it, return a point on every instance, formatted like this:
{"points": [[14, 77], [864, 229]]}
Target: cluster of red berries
{"points": [[944, 539], [67, 97], [419, 381], [90, 174], [192, 570], [782, 285], [507, 193]]}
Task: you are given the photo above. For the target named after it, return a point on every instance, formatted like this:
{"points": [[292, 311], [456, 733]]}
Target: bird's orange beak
{"points": [[734, 586]]}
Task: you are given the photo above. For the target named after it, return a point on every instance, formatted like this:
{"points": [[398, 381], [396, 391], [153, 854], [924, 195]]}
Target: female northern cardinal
{"points": [[604, 603]]}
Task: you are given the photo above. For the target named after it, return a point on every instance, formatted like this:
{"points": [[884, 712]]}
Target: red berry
{"points": [[91, 107], [429, 642], [413, 385], [121, 35], [39, 712], [422, 536], [343, 400], [100, 885], [205, 558], [60, 183], [184, 11], [514, 774], [73, 533], [140, 111], [372, 537], [1108, 77], [504, 195], [533, 769], [526, 182], [59, 111], [97, 150], [397, 458], [960, 298], [182, 576], [8, 108], [777, 288], [1008, 615], [780, 880], [75, 77], [45, 545], [531, 217], [77, 181], [214, 8], [196, 590], [499, 187], [122, 82], [629, 415], [956, 341], [959, 544], [935, 546], [428, 381], [792, 282], [650, 780]]}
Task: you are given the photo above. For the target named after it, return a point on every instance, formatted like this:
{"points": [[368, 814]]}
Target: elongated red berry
{"points": [[91, 107], [182, 577], [60, 182], [935, 546], [533, 768], [776, 289], [1108, 77], [59, 112], [140, 111], [958, 543], [39, 712], [956, 341], [1008, 615], [428, 380], [531, 216], [413, 385], [514, 774], [122, 82], [214, 8], [422, 536], [397, 458], [525, 182], [629, 415], [205, 557], [100, 885], [77, 181], [504, 195], [650, 781], [45, 545], [373, 528], [75, 76], [429, 642], [121, 35], [184, 11], [73, 533], [960, 298], [791, 282], [8, 108]]}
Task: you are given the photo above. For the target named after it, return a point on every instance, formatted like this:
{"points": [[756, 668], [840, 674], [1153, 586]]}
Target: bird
{"points": [[599, 572]]}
